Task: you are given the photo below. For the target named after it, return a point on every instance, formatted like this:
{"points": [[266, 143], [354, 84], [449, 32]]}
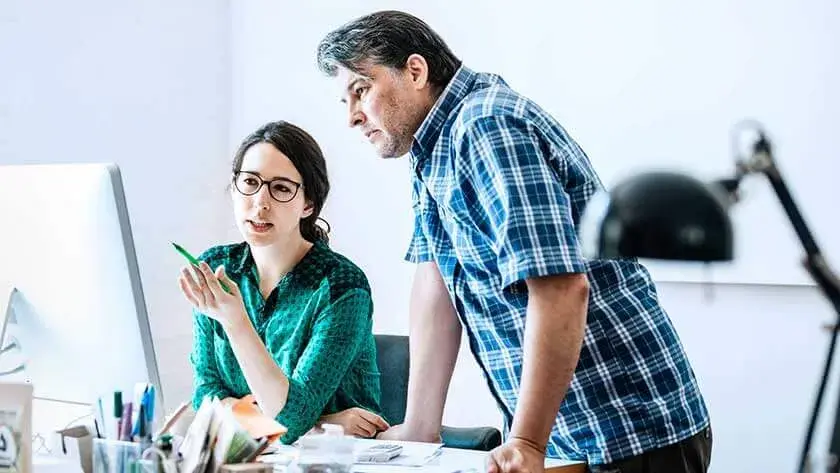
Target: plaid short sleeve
{"points": [[507, 164], [418, 249]]}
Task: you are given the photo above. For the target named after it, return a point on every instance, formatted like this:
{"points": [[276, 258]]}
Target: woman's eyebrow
{"points": [[274, 178]]}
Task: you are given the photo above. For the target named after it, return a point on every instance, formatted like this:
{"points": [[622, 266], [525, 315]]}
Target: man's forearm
{"points": [[435, 337], [554, 329]]}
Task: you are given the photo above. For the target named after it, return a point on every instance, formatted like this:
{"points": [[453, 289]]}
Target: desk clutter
{"points": [[235, 438], [130, 420], [122, 437], [221, 438], [232, 438]]}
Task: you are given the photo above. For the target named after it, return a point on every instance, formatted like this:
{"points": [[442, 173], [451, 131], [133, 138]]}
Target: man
{"points": [[580, 357]]}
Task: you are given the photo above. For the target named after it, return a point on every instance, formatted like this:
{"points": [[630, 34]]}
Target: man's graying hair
{"points": [[387, 38]]}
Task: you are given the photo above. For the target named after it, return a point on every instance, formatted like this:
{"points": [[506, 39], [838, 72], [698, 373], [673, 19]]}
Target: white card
{"points": [[15, 427]]}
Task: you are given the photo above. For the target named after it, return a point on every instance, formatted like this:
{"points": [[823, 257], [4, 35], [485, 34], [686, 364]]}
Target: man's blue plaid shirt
{"points": [[498, 190]]}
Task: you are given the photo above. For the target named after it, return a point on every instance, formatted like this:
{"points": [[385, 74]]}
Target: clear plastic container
{"points": [[115, 456], [328, 452]]}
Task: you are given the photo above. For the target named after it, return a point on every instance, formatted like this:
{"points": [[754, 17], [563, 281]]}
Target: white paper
{"points": [[279, 455], [414, 454], [383, 468]]}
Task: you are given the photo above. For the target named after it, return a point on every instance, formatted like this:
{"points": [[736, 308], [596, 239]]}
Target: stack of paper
{"points": [[217, 436]]}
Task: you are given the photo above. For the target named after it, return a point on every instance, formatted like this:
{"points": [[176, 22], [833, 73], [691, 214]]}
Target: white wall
{"points": [[168, 90], [756, 348], [603, 71], [145, 85], [758, 352]]}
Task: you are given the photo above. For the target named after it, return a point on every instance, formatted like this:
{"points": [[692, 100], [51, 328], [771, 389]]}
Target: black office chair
{"points": [[393, 358]]}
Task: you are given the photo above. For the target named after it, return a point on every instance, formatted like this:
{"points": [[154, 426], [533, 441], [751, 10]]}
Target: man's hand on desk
{"points": [[516, 456], [403, 432]]}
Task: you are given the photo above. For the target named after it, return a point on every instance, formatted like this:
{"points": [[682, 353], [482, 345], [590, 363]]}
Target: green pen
{"points": [[195, 262]]}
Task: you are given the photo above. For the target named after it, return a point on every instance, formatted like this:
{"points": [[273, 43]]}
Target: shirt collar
{"points": [[242, 259], [429, 132], [243, 263]]}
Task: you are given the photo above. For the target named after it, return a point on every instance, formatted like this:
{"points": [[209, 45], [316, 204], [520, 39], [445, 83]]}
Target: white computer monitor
{"points": [[77, 308]]}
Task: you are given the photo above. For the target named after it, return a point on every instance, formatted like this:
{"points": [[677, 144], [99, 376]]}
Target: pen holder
{"points": [[154, 460], [115, 456]]}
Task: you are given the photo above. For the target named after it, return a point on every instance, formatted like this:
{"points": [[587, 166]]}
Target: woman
{"points": [[294, 330]]}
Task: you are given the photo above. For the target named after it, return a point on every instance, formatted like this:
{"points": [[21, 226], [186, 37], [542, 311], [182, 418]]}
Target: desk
{"points": [[450, 460]]}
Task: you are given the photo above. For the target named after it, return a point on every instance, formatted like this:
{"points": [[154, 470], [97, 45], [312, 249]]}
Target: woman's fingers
{"points": [[374, 419], [189, 278], [210, 280], [366, 426], [188, 293], [203, 285], [223, 277], [360, 431]]}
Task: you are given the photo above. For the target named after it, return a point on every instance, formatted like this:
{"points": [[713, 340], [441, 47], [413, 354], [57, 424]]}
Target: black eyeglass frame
{"points": [[263, 182]]}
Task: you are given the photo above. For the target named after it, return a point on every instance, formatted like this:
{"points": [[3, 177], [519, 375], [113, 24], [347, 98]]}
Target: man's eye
{"points": [[360, 91]]}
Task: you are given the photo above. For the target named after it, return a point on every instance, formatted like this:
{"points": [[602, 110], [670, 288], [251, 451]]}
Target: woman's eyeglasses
{"points": [[281, 189]]}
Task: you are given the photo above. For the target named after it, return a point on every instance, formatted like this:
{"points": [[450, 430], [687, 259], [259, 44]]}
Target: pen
{"points": [[99, 418], [143, 435], [150, 410], [140, 427], [118, 412], [140, 419], [139, 399], [195, 262], [125, 434]]}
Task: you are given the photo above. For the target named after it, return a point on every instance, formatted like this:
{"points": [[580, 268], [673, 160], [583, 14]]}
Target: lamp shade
{"points": [[658, 215]]}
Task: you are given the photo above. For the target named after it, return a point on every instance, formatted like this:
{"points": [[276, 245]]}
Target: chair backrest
{"points": [[392, 357]]}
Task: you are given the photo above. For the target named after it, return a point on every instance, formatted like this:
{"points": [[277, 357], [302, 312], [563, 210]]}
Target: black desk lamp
{"points": [[675, 217]]}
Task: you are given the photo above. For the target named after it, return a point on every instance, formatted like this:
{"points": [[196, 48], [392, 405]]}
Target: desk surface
{"points": [[450, 460]]}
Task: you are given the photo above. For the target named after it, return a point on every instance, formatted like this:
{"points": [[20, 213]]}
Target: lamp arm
{"points": [[762, 161]]}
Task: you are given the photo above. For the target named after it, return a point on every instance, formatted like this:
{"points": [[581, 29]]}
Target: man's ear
{"points": [[418, 70]]}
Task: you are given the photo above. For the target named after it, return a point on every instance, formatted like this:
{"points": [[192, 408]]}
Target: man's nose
{"points": [[357, 118]]}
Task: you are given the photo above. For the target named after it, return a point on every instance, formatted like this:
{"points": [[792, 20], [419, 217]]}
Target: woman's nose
{"points": [[263, 197]]}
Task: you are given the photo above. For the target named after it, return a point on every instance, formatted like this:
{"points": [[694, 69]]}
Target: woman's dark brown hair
{"points": [[305, 154]]}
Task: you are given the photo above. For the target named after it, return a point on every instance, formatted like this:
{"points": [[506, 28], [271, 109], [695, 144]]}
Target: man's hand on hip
{"points": [[516, 456]]}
